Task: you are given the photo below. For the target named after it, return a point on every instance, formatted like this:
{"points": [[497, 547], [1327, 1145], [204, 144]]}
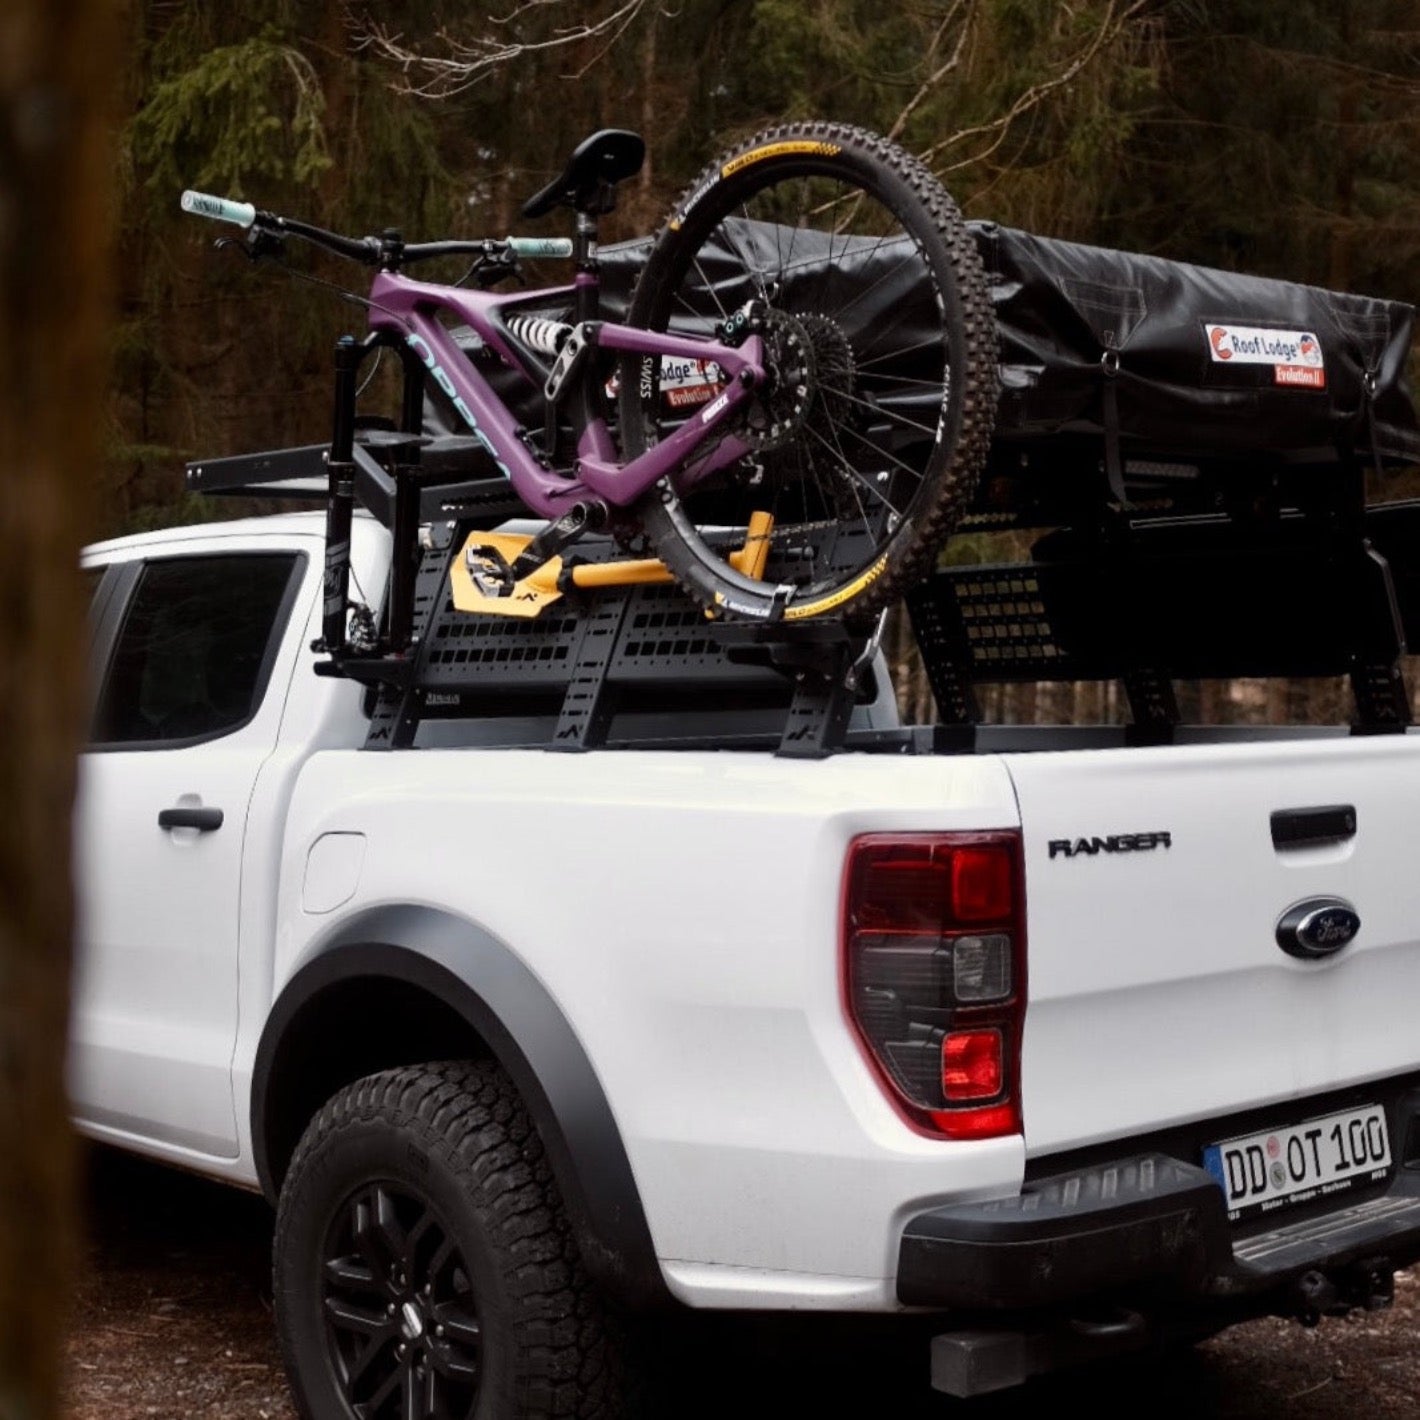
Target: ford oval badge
{"points": [[1318, 927]]}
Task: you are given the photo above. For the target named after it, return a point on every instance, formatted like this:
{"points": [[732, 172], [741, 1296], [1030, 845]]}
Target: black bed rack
{"points": [[590, 666], [1261, 591], [454, 474]]}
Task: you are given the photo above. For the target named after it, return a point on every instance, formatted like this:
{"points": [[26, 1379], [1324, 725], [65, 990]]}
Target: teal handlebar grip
{"points": [[533, 247], [219, 209]]}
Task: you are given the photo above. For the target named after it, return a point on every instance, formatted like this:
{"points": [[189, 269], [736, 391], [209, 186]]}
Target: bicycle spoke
{"points": [[868, 290], [852, 486], [700, 318], [755, 275], [879, 410], [859, 477], [932, 343], [786, 261], [852, 482], [936, 385], [828, 266], [708, 286]]}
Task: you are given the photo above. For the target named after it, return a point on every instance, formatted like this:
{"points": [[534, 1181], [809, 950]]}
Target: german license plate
{"points": [[1282, 1168]]}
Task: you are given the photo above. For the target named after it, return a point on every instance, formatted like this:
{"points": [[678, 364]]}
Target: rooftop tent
{"points": [[1186, 361]]}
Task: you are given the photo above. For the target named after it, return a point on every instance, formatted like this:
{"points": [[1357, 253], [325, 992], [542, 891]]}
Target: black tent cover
{"points": [[1203, 362]]}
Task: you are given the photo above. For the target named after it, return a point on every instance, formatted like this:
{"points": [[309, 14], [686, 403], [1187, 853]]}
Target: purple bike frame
{"points": [[409, 310]]}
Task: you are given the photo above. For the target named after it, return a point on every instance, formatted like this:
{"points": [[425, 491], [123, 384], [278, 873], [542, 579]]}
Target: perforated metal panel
{"points": [[1004, 622], [586, 659], [491, 653], [656, 634]]}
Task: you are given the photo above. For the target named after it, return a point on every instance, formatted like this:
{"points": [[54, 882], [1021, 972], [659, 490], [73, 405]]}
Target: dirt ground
{"points": [[173, 1320]]}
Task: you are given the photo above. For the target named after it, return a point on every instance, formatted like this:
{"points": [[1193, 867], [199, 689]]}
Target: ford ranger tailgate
{"points": [[1169, 979]]}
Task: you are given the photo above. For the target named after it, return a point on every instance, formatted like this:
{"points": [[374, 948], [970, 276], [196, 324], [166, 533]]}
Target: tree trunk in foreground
{"points": [[56, 63]]}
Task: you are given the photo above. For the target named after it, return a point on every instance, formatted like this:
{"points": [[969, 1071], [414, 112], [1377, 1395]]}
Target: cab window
{"points": [[193, 654]]}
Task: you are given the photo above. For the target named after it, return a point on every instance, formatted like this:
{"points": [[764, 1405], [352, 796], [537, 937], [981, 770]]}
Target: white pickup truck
{"points": [[1073, 1049]]}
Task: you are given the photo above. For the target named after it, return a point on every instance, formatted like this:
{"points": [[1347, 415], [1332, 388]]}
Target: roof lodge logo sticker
{"points": [[1295, 355]]}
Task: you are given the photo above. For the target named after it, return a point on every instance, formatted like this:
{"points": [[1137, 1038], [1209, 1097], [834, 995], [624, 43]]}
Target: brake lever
{"points": [[257, 245], [489, 270]]}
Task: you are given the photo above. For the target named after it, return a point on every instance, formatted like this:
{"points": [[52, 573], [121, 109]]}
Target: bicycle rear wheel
{"points": [[863, 449]]}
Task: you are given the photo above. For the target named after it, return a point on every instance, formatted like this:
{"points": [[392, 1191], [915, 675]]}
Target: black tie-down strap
{"points": [[1113, 460], [1376, 672]]}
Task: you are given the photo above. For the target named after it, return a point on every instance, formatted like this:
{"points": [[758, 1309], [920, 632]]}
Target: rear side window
{"points": [[194, 653]]}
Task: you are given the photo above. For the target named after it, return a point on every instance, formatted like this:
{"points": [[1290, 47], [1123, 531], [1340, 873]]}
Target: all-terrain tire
{"points": [[421, 1243]]}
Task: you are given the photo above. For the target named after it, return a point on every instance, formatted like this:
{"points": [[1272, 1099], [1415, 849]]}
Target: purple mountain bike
{"points": [[792, 414]]}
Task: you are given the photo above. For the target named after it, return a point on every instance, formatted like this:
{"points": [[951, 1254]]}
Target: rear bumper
{"points": [[1148, 1220]]}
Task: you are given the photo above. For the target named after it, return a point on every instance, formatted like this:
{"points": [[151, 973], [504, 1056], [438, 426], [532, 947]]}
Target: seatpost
{"points": [[340, 501], [584, 245]]}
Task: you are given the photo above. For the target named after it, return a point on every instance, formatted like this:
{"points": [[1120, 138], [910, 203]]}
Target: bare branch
{"points": [[467, 61], [1109, 29], [940, 73]]}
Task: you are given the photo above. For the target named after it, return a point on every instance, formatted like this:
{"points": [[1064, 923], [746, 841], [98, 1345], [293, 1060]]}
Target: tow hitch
{"points": [[978, 1361], [1368, 1286]]}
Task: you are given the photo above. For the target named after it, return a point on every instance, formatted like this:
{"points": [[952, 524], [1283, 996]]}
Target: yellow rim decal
{"points": [[843, 594], [773, 150]]}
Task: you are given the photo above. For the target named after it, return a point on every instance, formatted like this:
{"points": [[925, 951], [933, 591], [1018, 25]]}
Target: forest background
{"points": [[1281, 139]]}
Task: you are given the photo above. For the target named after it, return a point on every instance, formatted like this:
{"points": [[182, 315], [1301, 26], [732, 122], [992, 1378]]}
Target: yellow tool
{"points": [[550, 582]]}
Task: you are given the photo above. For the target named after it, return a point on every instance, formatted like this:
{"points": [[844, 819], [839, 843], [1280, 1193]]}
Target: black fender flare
{"points": [[469, 970]]}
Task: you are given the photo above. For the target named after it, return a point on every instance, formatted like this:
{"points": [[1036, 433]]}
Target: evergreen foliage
{"points": [[248, 113]]}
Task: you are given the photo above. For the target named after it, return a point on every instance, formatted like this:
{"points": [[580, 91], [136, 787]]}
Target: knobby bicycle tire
{"points": [[875, 314]]}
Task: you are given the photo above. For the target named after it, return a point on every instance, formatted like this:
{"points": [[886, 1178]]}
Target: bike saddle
{"points": [[587, 183]]}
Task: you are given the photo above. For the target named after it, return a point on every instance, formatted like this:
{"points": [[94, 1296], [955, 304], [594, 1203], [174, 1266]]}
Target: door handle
{"points": [[203, 820], [1303, 828]]}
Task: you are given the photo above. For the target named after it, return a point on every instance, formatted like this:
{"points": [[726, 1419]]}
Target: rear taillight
{"points": [[934, 972]]}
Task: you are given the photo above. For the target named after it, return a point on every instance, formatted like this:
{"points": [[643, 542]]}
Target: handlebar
{"points": [[387, 251]]}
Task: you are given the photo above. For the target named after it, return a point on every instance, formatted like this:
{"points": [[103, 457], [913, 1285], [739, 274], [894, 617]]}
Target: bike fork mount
{"points": [[401, 450]]}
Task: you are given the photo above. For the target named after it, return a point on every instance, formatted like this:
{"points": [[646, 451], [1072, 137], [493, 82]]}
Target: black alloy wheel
{"points": [[403, 1322]]}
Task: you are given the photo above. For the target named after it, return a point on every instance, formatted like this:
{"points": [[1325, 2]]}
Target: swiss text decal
{"points": [[1295, 355]]}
